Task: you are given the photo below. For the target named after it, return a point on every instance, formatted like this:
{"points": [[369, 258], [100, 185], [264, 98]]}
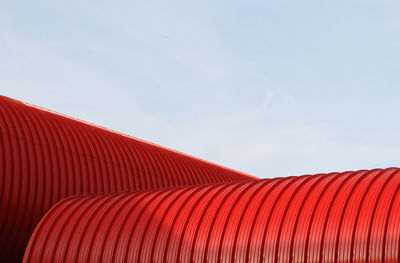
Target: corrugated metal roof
{"points": [[337, 217], [46, 156]]}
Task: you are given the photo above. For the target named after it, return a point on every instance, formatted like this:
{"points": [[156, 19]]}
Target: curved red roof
{"points": [[337, 217], [46, 156]]}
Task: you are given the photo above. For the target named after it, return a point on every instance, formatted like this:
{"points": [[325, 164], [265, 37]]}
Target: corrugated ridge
{"points": [[336, 217], [46, 156]]}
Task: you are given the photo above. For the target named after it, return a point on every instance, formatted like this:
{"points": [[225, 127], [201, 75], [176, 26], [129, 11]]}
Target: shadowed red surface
{"points": [[46, 156]]}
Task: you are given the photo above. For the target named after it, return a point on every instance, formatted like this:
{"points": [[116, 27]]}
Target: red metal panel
{"points": [[337, 217], [46, 156]]}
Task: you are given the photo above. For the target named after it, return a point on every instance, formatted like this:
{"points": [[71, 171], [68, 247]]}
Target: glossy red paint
{"points": [[337, 217], [46, 157]]}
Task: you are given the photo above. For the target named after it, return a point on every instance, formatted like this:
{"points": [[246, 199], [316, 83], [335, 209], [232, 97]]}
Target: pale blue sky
{"points": [[272, 88]]}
